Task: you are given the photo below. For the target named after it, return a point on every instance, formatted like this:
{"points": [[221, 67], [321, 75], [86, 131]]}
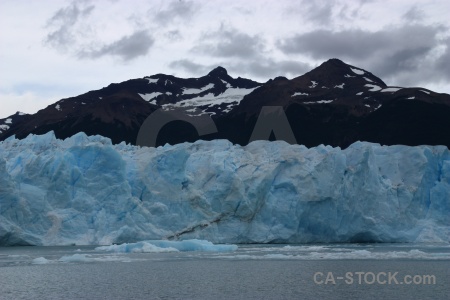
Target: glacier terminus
{"points": [[86, 191]]}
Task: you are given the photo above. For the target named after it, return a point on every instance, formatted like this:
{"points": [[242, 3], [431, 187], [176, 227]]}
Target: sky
{"points": [[54, 49]]}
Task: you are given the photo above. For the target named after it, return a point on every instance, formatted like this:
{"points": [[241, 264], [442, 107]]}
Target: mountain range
{"points": [[334, 104]]}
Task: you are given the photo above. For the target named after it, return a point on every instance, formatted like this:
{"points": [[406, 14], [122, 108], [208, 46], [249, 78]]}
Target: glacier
{"points": [[83, 190]]}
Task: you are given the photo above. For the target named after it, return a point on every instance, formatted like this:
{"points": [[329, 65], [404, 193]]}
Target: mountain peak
{"points": [[334, 71], [218, 72], [335, 62]]}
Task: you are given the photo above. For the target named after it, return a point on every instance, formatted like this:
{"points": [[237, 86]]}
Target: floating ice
{"points": [[76, 258], [168, 246], [40, 261]]}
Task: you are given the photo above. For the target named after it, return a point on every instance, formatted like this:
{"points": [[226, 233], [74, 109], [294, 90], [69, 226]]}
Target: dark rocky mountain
{"points": [[335, 104]]}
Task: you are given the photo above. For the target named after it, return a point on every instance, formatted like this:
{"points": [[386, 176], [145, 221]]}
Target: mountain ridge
{"points": [[334, 104]]}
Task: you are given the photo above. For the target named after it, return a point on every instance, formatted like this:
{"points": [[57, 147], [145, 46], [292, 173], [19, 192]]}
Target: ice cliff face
{"points": [[84, 190]]}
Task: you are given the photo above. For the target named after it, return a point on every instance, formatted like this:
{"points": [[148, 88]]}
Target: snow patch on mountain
{"points": [[152, 80], [150, 96], [391, 89], [230, 95], [313, 84], [372, 87], [319, 102], [228, 85], [3, 128], [188, 91], [340, 86], [299, 94], [357, 71]]}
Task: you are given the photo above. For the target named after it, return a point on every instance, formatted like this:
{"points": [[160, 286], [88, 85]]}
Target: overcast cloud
{"points": [[81, 45], [127, 48], [230, 43], [388, 53]]}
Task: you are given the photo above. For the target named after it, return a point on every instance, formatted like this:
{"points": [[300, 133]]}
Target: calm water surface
{"points": [[252, 272]]}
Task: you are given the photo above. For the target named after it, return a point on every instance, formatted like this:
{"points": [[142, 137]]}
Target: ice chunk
{"points": [[340, 86], [40, 261], [168, 246], [76, 258]]}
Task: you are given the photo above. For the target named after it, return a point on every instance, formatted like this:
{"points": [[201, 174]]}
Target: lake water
{"points": [[350, 271]]}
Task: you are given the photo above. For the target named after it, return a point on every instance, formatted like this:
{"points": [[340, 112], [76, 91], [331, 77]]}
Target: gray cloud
{"points": [[269, 68], [414, 14], [176, 10], [127, 48], [325, 12], [320, 12], [190, 66], [230, 43], [63, 22], [390, 52], [174, 35], [442, 64]]}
